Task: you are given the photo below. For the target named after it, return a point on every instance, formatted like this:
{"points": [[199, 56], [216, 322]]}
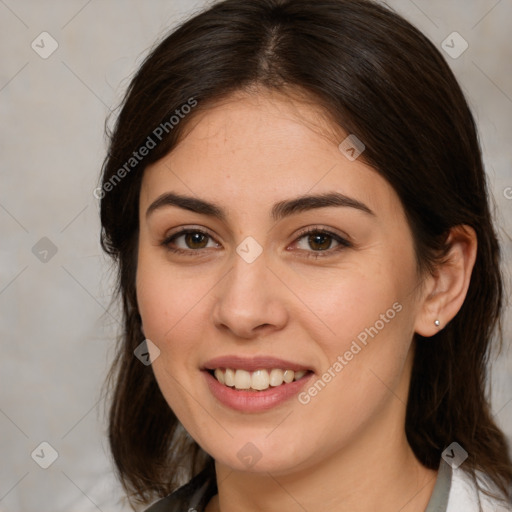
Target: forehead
{"points": [[261, 148], [261, 123]]}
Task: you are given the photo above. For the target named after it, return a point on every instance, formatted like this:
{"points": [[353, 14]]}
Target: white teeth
{"points": [[288, 376], [276, 377], [219, 375], [242, 379], [300, 374], [258, 380], [229, 377]]}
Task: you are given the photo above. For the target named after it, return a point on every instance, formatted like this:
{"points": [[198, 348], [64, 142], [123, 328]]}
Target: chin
{"points": [[261, 455]]}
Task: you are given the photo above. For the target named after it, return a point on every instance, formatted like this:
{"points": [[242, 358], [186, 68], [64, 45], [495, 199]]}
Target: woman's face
{"points": [[269, 286]]}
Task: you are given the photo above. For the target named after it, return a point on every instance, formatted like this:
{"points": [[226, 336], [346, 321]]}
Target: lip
{"points": [[254, 401], [253, 363]]}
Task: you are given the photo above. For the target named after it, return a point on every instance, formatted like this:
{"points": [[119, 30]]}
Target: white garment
{"points": [[464, 496]]}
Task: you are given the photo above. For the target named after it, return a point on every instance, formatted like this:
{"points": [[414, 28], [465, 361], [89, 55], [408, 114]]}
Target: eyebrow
{"points": [[279, 211]]}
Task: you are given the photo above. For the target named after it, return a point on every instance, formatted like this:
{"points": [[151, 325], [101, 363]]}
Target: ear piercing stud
{"points": [[437, 323]]}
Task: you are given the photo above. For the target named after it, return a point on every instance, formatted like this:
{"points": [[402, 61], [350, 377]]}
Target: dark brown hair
{"points": [[378, 77]]}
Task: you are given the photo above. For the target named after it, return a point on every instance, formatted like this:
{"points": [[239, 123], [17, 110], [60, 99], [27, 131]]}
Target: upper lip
{"points": [[251, 364]]}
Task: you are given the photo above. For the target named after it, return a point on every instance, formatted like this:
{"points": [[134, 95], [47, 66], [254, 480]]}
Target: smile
{"points": [[259, 380]]}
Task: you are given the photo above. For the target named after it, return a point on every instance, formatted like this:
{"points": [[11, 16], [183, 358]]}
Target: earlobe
{"points": [[450, 282]]}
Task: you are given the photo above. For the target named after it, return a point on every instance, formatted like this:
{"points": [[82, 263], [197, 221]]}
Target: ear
{"points": [[446, 289]]}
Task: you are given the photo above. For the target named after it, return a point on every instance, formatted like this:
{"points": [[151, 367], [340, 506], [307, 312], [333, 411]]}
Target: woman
{"points": [[296, 201]]}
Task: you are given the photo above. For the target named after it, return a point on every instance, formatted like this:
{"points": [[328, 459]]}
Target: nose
{"points": [[250, 301]]}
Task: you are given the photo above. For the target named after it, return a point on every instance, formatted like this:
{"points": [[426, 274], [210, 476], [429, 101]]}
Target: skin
{"points": [[346, 449]]}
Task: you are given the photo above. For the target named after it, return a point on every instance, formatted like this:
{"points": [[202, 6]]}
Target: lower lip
{"points": [[254, 401]]}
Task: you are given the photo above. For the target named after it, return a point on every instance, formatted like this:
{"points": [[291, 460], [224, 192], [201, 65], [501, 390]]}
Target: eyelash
{"points": [[343, 243]]}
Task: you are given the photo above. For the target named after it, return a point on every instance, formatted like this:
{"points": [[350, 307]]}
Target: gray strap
{"points": [[439, 499]]}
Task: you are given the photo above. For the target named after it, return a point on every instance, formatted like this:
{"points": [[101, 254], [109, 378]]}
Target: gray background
{"points": [[56, 336]]}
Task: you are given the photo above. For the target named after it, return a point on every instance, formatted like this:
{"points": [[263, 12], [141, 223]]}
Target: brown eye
{"points": [[315, 242], [196, 240], [189, 241], [320, 241]]}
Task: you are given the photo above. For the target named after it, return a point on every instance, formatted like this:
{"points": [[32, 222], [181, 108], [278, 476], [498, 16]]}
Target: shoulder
{"points": [[191, 497], [465, 495]]}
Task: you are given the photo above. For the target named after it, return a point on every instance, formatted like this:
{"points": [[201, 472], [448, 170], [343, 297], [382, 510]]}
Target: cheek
{"points": [[369, 331], [170, 309], [166, 297], [174, 306], [364, 362], [366, 310], [166, 304], [347, 300]]}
